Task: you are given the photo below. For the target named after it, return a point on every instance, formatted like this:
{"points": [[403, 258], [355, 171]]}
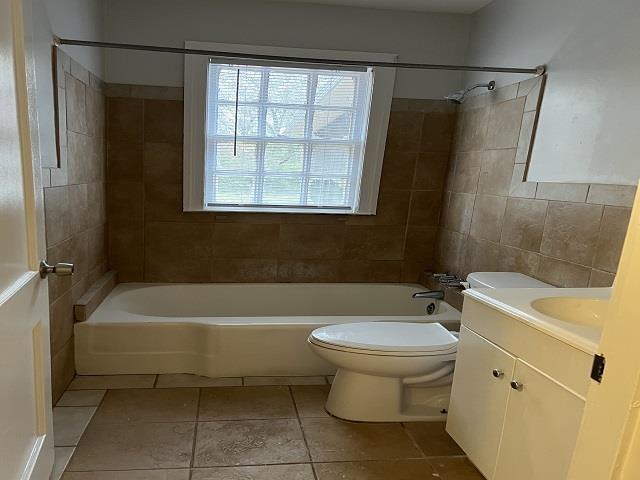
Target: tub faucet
{"points": [[435, 294]]}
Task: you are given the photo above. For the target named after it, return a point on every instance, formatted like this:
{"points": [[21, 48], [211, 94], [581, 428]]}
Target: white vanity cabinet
{"points": [[479, 398], [517, 397]]}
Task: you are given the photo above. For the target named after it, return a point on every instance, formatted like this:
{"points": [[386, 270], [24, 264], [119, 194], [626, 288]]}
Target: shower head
{"points": [[459, 96]]}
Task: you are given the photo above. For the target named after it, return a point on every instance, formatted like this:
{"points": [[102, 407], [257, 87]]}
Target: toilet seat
{"points": [[387, 338]]}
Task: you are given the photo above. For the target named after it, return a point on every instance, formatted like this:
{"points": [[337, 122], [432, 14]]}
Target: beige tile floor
{"points": [[181, 427]]}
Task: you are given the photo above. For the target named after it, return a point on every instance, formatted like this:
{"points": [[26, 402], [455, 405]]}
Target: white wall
{"points": [[419, 37], [587, 131], [79, 19]]}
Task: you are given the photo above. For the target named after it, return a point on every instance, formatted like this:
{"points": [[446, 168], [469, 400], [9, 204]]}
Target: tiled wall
{"points": [[568, 235], [152, 240], [75, 213]]}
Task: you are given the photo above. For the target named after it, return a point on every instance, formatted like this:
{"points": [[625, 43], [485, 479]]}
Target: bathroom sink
{"points": [[589, 312]]}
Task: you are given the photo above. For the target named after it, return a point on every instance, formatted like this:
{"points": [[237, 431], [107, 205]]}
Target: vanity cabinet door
{"points": [[540, 429], [479, 398]]}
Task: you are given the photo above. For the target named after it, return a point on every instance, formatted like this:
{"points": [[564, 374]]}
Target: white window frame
{"points": [[195, 105]]}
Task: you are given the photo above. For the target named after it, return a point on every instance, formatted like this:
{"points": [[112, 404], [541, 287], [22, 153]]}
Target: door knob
{"points": [[517, 385], [60, 269], [497, 373]]}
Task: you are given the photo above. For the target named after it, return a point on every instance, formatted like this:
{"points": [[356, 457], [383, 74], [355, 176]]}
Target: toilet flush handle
{"points": [[60, 269]]}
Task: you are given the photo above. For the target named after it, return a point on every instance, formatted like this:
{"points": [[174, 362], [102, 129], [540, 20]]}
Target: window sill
{"points": [[297, 211]]}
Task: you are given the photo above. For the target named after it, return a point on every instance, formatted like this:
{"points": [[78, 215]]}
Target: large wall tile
{"points": [[163, 162], [244, 270], [515, 260], [124, 162], [61, 322], [126, 249], [601, 279], [311, 241], [397, 170], [563, 192], [313, 271], [488, 215], [613, 231], [56, 213], [178, 252], [125, 120], [571, 231], [459, 212], [431, 169], [467, 172], [163, 121], [404, 131], [425, 208], [420, 243], [524, 223], [471, 130], [481, 256], [374, 243], [371, 271], [563, 274], [239, 240], [503, 129], [75, 93], [496, 172], [437, 132]]}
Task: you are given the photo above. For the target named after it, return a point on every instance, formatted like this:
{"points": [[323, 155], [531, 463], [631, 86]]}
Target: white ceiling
{"points": [[443, 6]]}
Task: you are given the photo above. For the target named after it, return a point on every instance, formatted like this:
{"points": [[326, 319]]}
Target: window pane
{"points": [[335, 90], [305, 146], [286, 122], [327, 192], [282, 190], [248, 89], [247, 120], [245, 158], [234, 189], [288, 87], [331, 159], [332, 124], [284, 157]]}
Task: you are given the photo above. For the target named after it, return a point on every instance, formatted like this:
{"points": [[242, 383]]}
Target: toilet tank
{"points": [[503, 280]]}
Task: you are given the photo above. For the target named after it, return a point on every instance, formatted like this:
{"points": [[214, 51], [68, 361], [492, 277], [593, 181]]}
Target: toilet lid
{"points": [[388, 336]]}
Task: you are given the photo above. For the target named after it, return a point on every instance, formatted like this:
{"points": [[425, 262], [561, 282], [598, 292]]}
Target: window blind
{"points": [[285, 137]]}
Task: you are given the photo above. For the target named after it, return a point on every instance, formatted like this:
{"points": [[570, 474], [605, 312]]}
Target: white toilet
{"points": [[397, 371]]}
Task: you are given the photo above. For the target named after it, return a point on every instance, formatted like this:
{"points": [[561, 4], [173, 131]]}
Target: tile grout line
{"points": [[195, 433], [412, 438], [304, 437]]}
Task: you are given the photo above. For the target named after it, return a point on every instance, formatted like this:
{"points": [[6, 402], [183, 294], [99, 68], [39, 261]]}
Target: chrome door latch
{"points": [[60, 269]]}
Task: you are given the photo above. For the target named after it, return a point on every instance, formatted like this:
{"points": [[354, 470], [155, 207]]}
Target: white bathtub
{"points": [[222, 330]]}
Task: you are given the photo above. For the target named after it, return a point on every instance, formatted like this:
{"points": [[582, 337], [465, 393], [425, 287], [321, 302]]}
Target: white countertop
{"points": [[516, 303]]}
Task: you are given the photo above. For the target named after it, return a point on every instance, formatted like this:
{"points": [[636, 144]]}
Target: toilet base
{"points": [[367, 398]]}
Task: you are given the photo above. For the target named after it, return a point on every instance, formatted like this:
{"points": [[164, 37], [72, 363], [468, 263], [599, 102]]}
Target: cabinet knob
{"points": [[497, 373], [517, 385]]}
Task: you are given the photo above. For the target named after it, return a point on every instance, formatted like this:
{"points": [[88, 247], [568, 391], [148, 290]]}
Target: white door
{"points": [[26, 440], [479, 398], [540, 428]]}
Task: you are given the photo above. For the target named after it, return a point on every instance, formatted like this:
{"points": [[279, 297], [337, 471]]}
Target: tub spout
{"points": [[435, 294]]}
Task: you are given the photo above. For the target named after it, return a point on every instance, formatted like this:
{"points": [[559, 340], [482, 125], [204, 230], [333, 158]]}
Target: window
{"points": [[282, 138]]}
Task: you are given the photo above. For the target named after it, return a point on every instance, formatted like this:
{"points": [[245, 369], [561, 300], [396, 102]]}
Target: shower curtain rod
{"points": [[539, 70]]}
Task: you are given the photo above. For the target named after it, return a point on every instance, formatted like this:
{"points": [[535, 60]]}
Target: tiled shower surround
{"points": [[569, 235], [75, 208], [152, 240], [452, 199]]}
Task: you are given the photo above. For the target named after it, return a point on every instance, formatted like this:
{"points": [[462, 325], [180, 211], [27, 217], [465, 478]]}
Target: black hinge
{"points": [[597, 369]]}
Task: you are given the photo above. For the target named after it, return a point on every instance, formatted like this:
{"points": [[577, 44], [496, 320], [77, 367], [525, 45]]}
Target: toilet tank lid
{"points": [[504, 280]]}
